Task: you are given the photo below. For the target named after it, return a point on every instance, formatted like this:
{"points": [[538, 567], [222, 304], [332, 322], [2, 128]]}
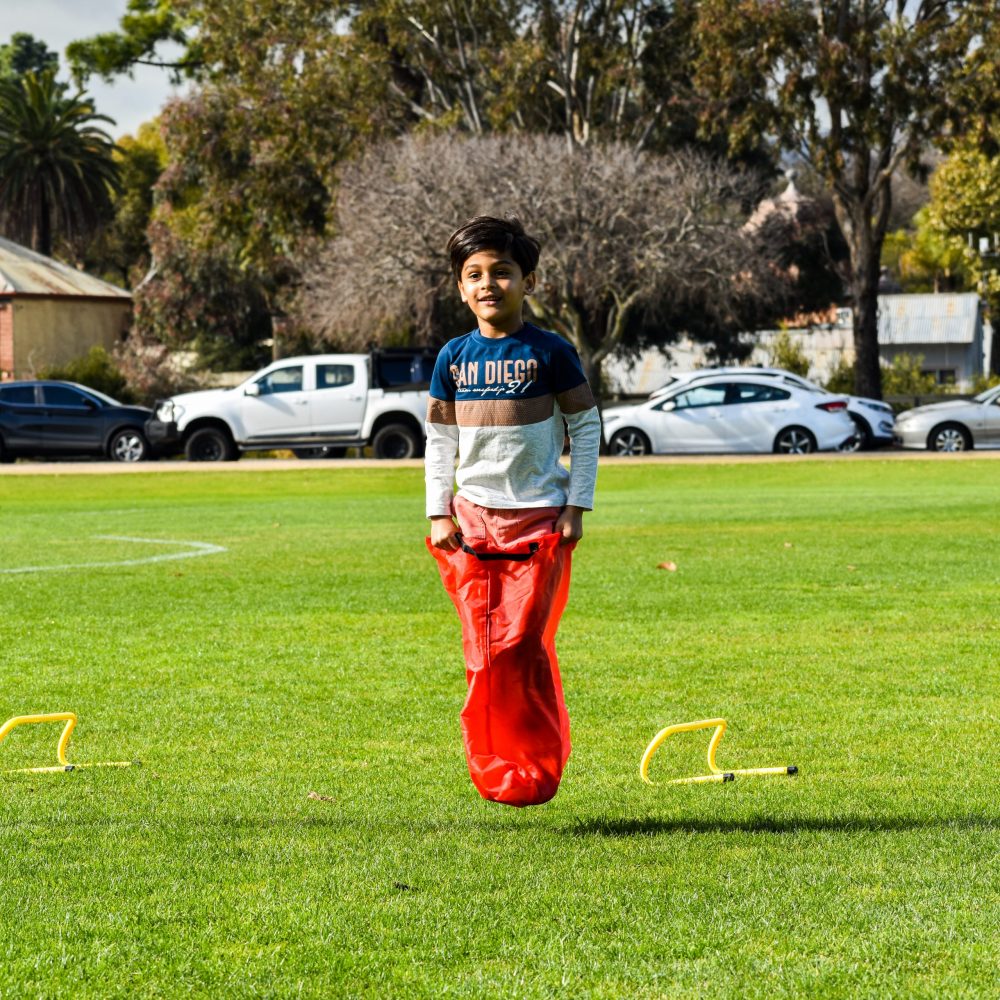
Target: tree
{"points": [[588, 69], [57, 171], [925, 259], [788, 354], [120, 251], [198, 298], [903, 376], [146, 26], [25, 54], [857, 88], [252, 151], [289, 89], [578, 68], [965, 210], [635, 247]]}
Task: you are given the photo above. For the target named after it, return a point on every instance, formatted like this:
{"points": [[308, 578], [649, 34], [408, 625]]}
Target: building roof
{"points": [[948, 318], [24, 272]]}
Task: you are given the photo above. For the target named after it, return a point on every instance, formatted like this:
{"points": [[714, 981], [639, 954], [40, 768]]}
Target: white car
{"points": [[730, 413], [954, 425], [872, 418]]}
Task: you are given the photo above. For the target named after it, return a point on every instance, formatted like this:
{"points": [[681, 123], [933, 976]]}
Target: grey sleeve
{"points": [[585, 446]]}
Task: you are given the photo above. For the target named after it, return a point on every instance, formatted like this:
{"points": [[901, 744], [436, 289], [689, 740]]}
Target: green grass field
{"points": [[841, 615]]}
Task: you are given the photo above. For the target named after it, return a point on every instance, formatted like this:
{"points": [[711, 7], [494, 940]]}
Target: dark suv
{"points": [[65, 419]]}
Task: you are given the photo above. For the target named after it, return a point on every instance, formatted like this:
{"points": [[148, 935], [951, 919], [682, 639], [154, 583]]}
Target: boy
{"points": [[500, 397]]}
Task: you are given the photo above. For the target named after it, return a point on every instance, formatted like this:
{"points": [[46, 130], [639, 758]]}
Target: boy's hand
{"points": [[444, 533], [569, 524]]}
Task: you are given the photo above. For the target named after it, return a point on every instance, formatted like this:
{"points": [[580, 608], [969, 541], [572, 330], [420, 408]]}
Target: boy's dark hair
{"points": [[485, 232]]}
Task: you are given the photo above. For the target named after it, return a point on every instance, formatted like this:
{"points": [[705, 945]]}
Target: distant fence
{"points": [[907, 402]]}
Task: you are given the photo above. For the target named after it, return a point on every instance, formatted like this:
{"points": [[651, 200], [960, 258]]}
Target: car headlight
{"points": [[168, 411], [878, 407]]}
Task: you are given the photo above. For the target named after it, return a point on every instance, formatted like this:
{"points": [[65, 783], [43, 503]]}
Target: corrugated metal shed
{"points": [[24, 272], [928, 319]]}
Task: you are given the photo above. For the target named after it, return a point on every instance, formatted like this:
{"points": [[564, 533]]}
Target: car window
{"points": [[21, 394], [801, 383], [700, 395], [334, 376], [281, 380], [750, 392], [63, 395]]}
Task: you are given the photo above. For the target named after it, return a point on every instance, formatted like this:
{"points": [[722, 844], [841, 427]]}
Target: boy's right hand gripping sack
{"points": [[514, 722]]}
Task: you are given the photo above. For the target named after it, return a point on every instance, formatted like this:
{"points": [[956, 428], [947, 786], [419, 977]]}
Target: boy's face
{"points": [[494, 288]]}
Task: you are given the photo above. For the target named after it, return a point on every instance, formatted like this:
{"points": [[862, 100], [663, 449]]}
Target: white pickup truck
{"points": [[318, 405]]}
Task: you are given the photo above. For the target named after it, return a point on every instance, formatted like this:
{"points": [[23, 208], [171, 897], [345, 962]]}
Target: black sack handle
{"points": [[493, 556]]}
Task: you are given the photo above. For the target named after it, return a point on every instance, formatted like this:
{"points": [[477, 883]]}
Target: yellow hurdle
{"points": [[717, 773], [64, 765]]}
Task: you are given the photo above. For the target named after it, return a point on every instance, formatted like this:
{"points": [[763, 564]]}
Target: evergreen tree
{"points": [[57, 171]]}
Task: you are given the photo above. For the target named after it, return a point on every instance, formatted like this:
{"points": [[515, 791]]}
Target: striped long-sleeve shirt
{"points": [[503, 405]]}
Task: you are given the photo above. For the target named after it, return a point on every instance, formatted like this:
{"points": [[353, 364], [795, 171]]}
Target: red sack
{"points": [[514, 722]]}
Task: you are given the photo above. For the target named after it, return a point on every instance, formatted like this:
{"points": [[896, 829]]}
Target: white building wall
{"points": [[825, 346]]}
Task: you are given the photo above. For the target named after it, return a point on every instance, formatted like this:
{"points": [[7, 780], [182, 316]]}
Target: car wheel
{"points": [[321, 451], [210, 444], [794, 441], [395, 441], [861, 440], [628, 442], [949, 437], [128, 445]]}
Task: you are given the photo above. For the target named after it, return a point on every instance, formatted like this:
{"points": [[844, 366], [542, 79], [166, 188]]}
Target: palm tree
{"points": [[57, 174]]}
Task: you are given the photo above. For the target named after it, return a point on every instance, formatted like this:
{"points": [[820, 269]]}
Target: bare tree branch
{"points": [[623, 235]]}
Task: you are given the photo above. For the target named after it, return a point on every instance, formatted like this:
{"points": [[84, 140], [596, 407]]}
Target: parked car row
{"points": [[320, 405]]}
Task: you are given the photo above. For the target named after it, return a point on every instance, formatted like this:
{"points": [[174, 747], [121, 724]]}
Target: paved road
{"points": [[27, 468]]}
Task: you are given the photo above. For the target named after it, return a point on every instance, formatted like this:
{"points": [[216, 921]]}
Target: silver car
{"points": [[955, 425]]}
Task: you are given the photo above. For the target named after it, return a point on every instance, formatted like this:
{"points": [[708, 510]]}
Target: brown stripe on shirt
{"points": [[440, 411], [504, 412], [577, 399]]}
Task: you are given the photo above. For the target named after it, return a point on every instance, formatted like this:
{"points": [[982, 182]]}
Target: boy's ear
{"points": [[530, 280], [461, 292]]}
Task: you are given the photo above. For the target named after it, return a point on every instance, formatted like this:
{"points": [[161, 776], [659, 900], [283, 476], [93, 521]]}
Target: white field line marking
{"points": [[194, 549]]}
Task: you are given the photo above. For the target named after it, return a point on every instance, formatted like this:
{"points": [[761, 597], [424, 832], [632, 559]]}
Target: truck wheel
{"points": [[395, 441], [210, 444]]}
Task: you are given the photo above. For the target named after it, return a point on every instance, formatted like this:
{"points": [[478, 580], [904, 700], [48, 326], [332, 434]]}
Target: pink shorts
{"points": [[503, 526]]}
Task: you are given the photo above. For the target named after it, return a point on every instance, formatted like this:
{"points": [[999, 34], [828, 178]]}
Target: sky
{"points": [[58, 22]]}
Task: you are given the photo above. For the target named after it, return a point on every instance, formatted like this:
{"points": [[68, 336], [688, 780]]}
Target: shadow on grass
{"points": [[770, 824]]}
